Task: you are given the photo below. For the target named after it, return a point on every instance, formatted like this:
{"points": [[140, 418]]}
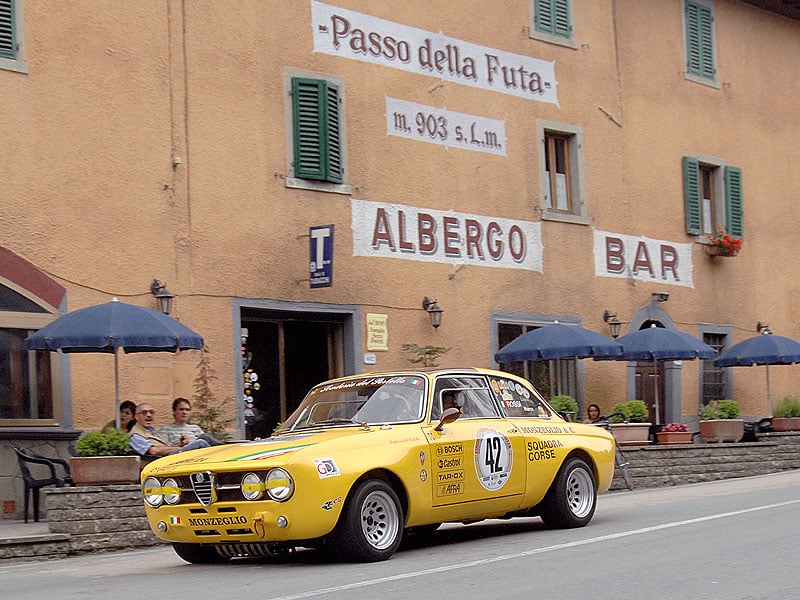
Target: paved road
{"points": [[732, 539]]}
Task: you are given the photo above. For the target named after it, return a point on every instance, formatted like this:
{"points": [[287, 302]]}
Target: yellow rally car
{"points": [[368, 457]]}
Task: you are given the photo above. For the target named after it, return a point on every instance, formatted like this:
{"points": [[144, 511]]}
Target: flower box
{"points": [[785, 423], [674, 437], [631, 434], [93, 470], [722, 430]]}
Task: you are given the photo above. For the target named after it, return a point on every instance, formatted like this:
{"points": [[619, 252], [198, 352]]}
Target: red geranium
{"points": [[724, 240]]}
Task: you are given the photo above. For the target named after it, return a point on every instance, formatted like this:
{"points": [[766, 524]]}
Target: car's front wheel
{"points": [[572, 498], [198, 554], [371, 526]]}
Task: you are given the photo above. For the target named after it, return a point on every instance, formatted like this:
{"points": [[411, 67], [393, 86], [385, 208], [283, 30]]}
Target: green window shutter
{"points": [[553, 17], [317, 131], [691, 195], [700, 40], [734, 217], [8, 44]]}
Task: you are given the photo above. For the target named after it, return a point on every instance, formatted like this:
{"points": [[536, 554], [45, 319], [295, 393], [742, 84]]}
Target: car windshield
{"points": [[362, 400]]}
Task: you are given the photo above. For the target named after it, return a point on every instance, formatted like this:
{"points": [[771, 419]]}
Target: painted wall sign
{"points": [[445, 127], [358, 36], [388, 230], [321, 263], [642, 258], [377, 332]]}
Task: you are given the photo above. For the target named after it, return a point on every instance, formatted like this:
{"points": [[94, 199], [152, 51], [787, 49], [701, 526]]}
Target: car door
{"points": [[477, 461]]}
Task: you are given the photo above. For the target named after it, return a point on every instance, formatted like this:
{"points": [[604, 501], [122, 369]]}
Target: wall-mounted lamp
{"points": [[763, 328], [163, 297], [613, 323], [434, 312], [661, 296]]}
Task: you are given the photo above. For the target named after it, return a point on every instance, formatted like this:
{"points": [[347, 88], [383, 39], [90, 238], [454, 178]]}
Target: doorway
{"points": [[649, 379], [284, 354]]}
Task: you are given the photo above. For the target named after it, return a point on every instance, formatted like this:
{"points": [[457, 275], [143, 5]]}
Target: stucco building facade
{"points": [[302, 174]]}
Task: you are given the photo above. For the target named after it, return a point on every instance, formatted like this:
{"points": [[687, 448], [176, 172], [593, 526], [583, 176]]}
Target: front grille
{"points": [[203, 486]]}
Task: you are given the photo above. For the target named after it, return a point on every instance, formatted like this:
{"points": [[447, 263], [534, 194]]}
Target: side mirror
{"points": [[448, 416]]}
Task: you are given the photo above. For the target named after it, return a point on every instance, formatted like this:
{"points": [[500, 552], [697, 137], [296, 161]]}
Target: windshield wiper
{"points": [[340, 421]]}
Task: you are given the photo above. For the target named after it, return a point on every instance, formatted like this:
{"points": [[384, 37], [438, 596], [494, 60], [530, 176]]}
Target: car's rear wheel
{"points": [[371, 526], [198, 554], [572, 498]]}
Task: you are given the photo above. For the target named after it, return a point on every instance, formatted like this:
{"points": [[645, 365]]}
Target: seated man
{"points": [[145, 442], [181, 431]]}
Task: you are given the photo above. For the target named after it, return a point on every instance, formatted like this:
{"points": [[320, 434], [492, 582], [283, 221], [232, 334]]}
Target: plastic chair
{"points": [[33, 484]]}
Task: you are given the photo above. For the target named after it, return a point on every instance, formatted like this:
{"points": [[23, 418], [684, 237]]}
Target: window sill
{"points": [[318, 186], [554, 39], [564, 217], [13, 64], [713, 83]]}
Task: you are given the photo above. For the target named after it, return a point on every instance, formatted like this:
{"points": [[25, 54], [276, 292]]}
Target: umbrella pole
{"points": [[116, 383], [769, 397], [655, 381]]}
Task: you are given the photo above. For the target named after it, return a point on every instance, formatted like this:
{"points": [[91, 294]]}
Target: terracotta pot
{"points": [[722, 430], [674, 437], [715, 250], [92, 470], [631, 434], [786, 423]]}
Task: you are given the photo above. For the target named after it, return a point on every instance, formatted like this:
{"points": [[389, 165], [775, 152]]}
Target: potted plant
{"points": [[565, 405], [674, 433], [634, 428], [104, 458], [722, 243], [719, 422], [786, 416]]}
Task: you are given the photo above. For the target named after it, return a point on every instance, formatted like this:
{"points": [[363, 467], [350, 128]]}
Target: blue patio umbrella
{"points": [[108, 327], [558, 341], [658, 343], [765, 349]]}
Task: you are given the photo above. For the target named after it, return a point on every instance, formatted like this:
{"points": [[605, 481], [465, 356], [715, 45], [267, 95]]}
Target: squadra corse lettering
{"points": [[437, 60], [455, 234], [543, 449]]}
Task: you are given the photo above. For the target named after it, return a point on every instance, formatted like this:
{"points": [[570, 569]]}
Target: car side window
{"points": [[471, 395]]}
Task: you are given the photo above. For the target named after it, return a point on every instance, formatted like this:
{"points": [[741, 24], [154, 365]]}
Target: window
{"points": [[715, 382], [551, 21], [549, 377], [11, 48], [470, 394], [699, 32], [27, 394], [316, 141], [562, 173], [712, 196]]}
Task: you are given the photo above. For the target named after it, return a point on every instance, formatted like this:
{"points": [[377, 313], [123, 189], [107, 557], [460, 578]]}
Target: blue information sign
{"points": [[321, 263]]}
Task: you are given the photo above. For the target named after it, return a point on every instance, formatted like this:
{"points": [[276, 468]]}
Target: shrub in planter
{"points": [[635, 411], [96, 443], [565, 404], [719, 422], [786, 416]]}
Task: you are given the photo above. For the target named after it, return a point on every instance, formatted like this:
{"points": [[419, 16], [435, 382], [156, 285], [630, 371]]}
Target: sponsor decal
{"points": [[422, 457], [542, 449], [493, 458], [326, 467], [449, 489], [216, 521], [328, 505], [548, 429], [446, 449], [423, 475]]}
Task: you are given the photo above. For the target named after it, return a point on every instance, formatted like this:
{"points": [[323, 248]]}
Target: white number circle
{"points": [[493, 458]]}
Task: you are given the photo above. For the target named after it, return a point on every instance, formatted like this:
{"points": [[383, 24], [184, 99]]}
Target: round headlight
{"points": [[151, 490], [252, 486], [171, 491], [279, 485]]}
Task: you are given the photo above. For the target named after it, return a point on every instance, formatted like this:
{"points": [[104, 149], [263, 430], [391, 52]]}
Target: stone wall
{"points": [[663, 465], [103, 517]]}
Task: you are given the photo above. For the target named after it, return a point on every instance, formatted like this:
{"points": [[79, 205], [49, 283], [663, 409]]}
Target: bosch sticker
{"points": [[493, 458], [326, 467]]}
